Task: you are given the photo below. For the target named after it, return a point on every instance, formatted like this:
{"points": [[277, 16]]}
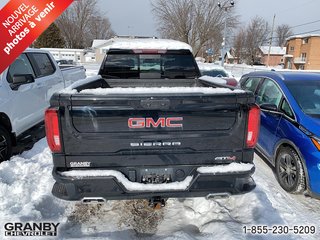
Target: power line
{"points": [[268, 39], [295, 7], [305, 32], [303, 24], [317, 30]]}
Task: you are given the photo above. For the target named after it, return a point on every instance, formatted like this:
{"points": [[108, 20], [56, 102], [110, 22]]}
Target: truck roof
{"points": [[36, 50], [145, 43]]}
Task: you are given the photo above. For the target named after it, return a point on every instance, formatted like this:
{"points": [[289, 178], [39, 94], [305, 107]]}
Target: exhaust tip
{"points": [[93, 200], [218, 195]]}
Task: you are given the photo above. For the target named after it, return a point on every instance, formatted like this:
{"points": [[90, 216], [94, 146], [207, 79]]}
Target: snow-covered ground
{"points": [[25, 196]]}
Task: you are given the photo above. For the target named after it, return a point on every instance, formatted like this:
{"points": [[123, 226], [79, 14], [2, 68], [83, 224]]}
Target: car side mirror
{"points": [[269, 107], [20, 79]]}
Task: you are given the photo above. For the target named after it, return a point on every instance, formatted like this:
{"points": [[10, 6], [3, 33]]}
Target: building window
{"points": [[305, 40], [291, 48], [303, 56]]}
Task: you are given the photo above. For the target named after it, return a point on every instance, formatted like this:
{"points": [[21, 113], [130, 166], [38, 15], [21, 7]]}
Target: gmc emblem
{"points": [[169, 122]]}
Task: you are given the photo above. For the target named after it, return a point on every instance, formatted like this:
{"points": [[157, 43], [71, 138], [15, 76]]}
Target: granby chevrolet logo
{"points": [[163, 122]]}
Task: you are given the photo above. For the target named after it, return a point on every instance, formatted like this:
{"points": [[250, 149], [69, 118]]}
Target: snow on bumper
{"points": [[114, 185], [230, 168], [131, 186]]}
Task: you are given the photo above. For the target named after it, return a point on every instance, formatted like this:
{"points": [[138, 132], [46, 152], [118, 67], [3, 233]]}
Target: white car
{"points": [[26, 87]]}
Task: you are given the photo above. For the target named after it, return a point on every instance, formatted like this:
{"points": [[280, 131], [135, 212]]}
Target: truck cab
{"points": [[26, 87]]}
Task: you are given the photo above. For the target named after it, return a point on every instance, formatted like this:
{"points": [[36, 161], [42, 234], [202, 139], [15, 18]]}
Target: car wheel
{"points": [[289, 171], [5, 145]]}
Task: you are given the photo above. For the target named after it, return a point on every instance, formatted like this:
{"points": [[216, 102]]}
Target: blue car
{"points": [[290, 126]]}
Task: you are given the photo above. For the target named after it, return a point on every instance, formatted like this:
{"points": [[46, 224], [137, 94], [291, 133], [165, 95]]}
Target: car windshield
{"points": [[214, 73], [307, 94]]}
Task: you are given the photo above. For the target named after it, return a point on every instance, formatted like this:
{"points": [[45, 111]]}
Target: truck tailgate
{"points": [[130, 130]]}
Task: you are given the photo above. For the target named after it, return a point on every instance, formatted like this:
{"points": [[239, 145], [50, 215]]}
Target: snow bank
{"points": [[229, 168], [131, 186], [25, 187], [92, 69]]}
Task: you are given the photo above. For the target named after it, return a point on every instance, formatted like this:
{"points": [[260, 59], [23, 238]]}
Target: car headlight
{"points": [[316, 142]]}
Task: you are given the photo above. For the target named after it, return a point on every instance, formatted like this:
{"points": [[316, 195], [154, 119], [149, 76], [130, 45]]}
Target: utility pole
{"points": [[274, 17], [225, 7]]}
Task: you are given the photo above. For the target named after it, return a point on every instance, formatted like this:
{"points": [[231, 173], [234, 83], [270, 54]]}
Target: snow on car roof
{"points": [[145, 43], [210, 79], [209, 66]]}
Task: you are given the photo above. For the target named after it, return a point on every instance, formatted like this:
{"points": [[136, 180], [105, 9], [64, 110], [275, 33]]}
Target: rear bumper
{"points": [[110, 185]]}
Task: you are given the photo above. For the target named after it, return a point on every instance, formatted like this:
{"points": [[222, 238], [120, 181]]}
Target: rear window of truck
{"points": [[149, 66]]}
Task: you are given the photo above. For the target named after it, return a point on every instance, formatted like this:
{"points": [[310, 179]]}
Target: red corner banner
{"points": [[22, 21]]}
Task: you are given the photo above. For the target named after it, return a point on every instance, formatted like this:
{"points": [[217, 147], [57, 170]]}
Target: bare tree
{"points": [[99, 28], [239, 45], [80, 23], [196, 22], [283, 31], [249, 40], [257, 31]]}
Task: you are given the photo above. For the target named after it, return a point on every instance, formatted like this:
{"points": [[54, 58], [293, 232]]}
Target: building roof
{"points": [[273, 50], [98, 42], [229, 55], [144, 43], [302, 36]]}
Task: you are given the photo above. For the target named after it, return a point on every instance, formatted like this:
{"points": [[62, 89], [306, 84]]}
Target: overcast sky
{"points": [[134, 17]]}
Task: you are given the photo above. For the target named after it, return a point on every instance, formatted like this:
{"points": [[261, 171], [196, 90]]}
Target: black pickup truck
{"points": [[148, 127]]}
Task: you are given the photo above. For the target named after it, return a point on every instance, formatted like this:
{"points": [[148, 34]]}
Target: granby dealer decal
{"points": [[22, 21], [44, 229]]}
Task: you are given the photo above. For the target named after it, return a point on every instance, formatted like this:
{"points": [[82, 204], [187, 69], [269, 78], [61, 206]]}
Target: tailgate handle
{"points": [[155, 104]]}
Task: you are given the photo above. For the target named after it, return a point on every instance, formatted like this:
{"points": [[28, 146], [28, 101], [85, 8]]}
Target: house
{"points": [[230, 57], [97, 45], [303, 52], [75, 55], [271, 56]]}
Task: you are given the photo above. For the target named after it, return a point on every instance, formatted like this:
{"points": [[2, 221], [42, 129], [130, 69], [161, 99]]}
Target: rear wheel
{"points": [[5, 144], [289, 171]]}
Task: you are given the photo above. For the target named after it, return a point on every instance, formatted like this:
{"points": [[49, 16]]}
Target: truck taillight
{"points": [[253, 126], [52, 130]]}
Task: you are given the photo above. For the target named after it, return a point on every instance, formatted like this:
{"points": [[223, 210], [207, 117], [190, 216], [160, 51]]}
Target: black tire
{"points": [[5, 144], [289, 171]]}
